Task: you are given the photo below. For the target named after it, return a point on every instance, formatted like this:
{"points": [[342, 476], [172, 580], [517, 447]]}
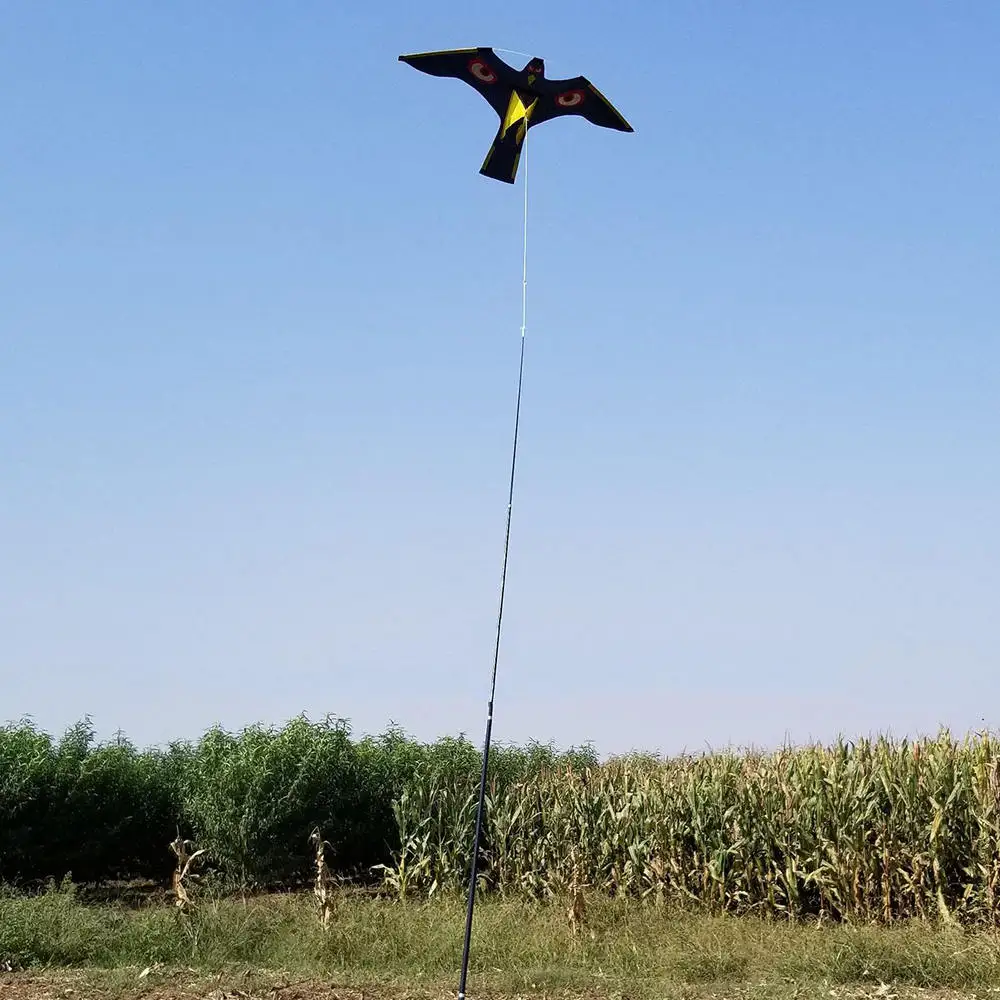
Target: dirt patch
{"points": [[190, 985]]}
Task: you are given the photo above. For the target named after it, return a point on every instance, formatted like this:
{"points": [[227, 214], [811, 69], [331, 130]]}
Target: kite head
{"points": [[535, 70]]}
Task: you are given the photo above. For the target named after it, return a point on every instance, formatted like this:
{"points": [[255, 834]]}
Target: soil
{"points": [[179, 985], [186, 984]]}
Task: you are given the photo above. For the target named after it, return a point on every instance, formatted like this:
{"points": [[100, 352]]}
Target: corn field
{"points": [[874, 830], [870, 830]]}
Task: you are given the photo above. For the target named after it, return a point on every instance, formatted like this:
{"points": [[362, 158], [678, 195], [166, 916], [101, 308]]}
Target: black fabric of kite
{"points": [[521, 98]]}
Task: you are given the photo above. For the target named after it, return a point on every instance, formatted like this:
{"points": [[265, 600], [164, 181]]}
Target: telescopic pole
{"points": [[503, 582]]}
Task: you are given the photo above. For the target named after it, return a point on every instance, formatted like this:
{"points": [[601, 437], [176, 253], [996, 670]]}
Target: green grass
{"points": [[627, 949]]}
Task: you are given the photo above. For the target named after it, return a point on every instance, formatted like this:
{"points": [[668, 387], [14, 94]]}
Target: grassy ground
{"points": [[274, 947]]}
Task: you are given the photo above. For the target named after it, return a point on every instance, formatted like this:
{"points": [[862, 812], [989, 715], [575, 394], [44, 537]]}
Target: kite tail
{"points": [[504, 155]]}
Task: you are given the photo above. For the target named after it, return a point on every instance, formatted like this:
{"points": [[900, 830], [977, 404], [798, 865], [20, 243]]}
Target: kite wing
{"points": [[481, 68], [577, 96]]}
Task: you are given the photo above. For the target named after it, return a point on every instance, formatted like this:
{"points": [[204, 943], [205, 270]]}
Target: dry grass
{"points": [[636, 950], [323, 888], [185, 858], [577, 910]]}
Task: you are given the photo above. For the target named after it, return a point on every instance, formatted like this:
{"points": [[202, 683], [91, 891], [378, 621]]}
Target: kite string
{"points": [[513, 52], [503, 585], [524, 264]]}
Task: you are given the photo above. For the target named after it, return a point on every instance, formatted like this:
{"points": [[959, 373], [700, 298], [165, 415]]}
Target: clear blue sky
{"points": [[259, 329]]}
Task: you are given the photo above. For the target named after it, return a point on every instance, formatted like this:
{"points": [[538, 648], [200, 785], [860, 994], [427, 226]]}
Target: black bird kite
{"points": [[522, 98]]}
